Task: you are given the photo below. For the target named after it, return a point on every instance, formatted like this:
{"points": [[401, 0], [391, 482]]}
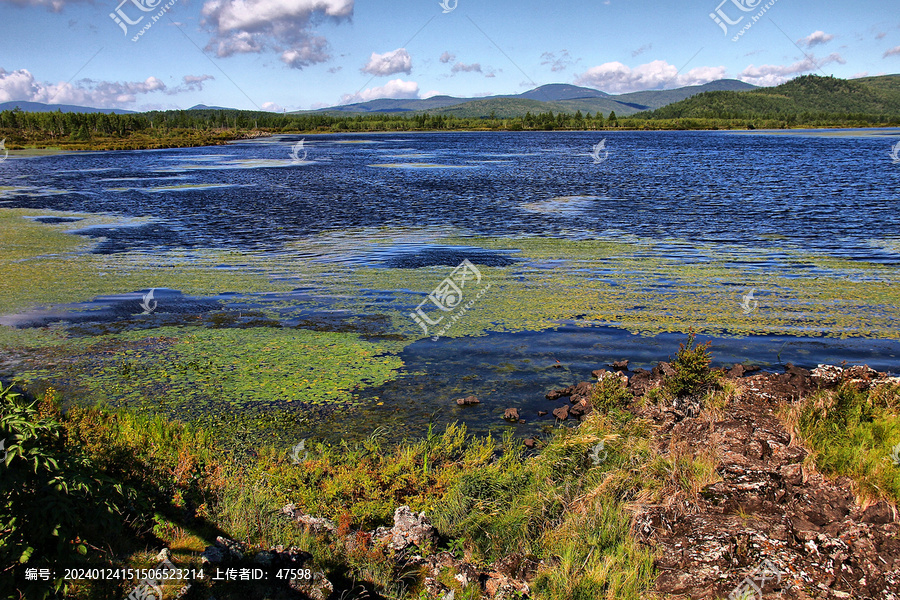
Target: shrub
{"points": [[54, 502], [692, 373]]}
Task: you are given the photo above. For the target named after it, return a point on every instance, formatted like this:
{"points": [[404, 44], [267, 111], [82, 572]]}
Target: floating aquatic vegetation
{"points": [[182, 366]]}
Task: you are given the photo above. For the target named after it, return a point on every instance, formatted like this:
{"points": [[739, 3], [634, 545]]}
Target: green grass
{"points": [[853, 433]]}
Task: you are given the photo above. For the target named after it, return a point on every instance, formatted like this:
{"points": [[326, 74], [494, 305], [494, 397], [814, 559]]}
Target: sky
{"points": [[279, 55]]}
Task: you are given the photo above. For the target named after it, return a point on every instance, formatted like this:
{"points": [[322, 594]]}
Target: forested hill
{"points": [[803, 96]]}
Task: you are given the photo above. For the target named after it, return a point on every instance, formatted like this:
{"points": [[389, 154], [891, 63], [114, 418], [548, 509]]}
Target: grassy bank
{"points": [[91, 485]]}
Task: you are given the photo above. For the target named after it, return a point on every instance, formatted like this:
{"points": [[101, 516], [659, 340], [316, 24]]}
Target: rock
{"points": [[316, 525], [827, 375], [735, 372], [511, 414], [557, 394], [233, 550], [640, 382], [164, 554], [411, 529], [316, 587], [212, 556], [599, 373], [542, 413], [880, 513], [578, 410], [529, 442], [620, 365], [264, 558], [662, 370], [561, 413], [468, 401]]}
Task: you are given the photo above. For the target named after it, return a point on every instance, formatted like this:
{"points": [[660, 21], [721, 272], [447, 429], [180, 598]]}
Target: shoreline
{"points": [[125, 144], [680, 456]]}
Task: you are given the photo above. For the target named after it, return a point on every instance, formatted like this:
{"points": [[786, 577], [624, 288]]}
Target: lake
{"points": [[284, 277]]}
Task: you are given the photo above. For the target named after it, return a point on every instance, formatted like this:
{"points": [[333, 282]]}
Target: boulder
{"points": [[511, 414], [561, 413], [411, 529], [468, 401]]}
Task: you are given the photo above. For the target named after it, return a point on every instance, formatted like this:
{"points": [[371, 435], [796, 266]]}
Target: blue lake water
{"points": [[832, 194]]}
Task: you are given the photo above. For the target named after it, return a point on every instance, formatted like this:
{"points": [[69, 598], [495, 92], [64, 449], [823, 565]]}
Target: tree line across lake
{"points": [[96, 131]]}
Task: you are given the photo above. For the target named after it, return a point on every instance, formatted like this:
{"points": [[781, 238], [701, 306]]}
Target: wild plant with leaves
{"points": [[54, 501]]}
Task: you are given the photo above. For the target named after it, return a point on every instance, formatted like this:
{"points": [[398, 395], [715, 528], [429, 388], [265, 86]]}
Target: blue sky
{"points": [[301, 54]]}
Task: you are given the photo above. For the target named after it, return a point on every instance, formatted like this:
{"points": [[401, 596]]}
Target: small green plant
{"points": [[692, 373], [609, 393]]}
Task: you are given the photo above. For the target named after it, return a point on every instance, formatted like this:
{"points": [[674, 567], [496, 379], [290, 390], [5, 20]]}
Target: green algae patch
{"points": [[44, 264], [188, 367], [654, 287]]}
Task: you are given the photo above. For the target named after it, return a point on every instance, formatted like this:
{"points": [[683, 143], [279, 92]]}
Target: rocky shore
{"points": [[771, 525]]}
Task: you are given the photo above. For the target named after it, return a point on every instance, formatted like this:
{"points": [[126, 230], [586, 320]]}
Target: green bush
{"points": [[54, 502], [692, 373]]}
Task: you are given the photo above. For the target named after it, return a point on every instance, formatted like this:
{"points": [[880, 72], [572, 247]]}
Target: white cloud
{"points": [[254, 26], [396, 88], [816, 38], [769, 75], [619, 78], [311, 51], [431, 94], [52, 5], [192, 83], [21, 85], [557, 63], [860, 74], [892, 52], [389, 63], [447, 57], [464, 68], [272, 107], [880, 35]]}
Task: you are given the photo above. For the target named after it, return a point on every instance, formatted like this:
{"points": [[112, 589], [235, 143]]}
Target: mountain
{"points": [[807, 94], [556, 97], [561, 91], [66, 108], [205, 107]]}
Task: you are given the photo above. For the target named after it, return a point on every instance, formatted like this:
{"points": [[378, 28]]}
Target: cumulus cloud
{"points": [[272, 107], [769, 75], [313, 50], [389, 63], [21, 85], [816, 38], [285, 26], [464, 68], [892, 52], [396, 88], [619, 78], [446, 57], [431, 94], [557, 63]]}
